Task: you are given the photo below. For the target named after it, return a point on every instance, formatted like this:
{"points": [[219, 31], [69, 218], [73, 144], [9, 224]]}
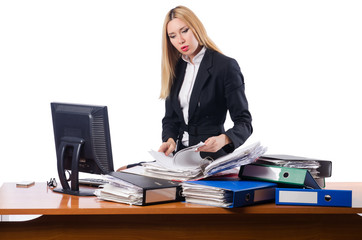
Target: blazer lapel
{"points": [[180, 75], [201, 78]]}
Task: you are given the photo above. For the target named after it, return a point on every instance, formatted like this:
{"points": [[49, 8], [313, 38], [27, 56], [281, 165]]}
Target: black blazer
{"points": [[219, 87]]}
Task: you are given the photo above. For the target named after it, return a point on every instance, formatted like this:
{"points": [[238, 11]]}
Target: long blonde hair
{"points": [[170, 55]]}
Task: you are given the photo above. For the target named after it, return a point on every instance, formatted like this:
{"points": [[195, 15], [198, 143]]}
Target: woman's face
{"points": [[182, 38]]}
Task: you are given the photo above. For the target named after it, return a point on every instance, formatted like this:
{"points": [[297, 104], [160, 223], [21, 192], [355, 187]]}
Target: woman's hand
{"points": [[214, 144], [168, 147]]}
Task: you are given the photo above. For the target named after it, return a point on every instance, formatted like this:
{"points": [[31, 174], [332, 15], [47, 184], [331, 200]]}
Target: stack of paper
{"points": [[310, 165], [120, 191], [188, 165], [206, 195], [228, 194], [138, 190]]}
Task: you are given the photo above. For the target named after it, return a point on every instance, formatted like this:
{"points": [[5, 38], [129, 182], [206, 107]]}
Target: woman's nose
{"points": [[181, 40]]}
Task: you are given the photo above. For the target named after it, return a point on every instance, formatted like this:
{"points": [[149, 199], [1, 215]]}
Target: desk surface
{"points": [[41, 200]]}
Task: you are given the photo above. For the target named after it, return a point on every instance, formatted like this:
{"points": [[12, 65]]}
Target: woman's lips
{"points": [[185, 48]]}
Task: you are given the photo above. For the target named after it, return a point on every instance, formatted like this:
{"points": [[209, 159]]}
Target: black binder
{"points": [[155, 190]]}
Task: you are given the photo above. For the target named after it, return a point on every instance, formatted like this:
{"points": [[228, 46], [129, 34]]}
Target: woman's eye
{"points": [[171, 36], [185, 31]]}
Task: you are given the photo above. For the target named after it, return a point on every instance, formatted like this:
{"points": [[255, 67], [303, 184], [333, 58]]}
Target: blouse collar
{"points": [[198, 58]]}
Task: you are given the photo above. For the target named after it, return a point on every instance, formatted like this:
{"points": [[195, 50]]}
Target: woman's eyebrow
{"points": [[182, 28]]}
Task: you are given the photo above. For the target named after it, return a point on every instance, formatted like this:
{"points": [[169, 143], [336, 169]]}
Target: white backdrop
{"points": [[301, 61]]}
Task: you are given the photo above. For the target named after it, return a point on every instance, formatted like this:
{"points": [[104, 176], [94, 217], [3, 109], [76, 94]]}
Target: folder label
{"points": [[260, 172], [160, 195], [298, 197], [262, 194]]}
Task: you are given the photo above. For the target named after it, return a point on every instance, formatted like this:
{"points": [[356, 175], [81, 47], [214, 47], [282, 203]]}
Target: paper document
{"points": [[187, 164], [120, 191], [184, 159]]}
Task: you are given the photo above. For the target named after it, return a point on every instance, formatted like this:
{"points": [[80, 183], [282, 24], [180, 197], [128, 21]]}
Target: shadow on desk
{"points": [[201, 226]]}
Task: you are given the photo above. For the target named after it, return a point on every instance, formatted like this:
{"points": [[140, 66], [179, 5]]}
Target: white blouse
{"points": [[187, 86]]}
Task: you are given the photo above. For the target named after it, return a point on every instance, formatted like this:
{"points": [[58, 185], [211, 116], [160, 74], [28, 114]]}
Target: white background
{"points": [[301, 61]]}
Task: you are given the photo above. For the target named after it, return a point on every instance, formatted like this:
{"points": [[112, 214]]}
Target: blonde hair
{"points": [[170, 55]]}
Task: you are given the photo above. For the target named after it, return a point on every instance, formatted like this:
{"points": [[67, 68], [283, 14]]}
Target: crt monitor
{"points": [[82, 142]]}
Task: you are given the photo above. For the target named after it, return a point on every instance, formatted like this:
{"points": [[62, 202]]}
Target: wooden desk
{"points": [[71, 217]]}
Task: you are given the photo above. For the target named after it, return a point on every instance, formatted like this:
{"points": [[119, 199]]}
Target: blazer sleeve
{"points": [[237, 105], [170, 122]]}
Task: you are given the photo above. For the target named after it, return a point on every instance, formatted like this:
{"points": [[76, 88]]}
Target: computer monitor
{"points": [[82, 142]]}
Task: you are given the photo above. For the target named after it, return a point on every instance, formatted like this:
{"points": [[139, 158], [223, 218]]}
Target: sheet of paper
{"points": [[188, 164], [162, 159]]}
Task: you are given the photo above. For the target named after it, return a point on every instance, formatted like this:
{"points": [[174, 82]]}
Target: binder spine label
{"points": [[264, 194], [160, 195], [298, 197]]}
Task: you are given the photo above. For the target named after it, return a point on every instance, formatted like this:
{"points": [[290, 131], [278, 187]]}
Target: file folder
{"points": [[319, 169], [324, 168], [313, 197], [155, 190], [228, 194], [283, 176]]}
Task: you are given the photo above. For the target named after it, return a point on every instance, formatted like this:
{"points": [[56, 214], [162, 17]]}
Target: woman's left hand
{"points": [[214, 144]]}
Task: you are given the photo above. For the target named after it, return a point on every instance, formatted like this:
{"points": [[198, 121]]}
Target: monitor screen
{"points": [[82, 142]]}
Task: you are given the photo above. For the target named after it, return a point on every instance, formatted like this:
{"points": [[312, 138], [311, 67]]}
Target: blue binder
{"points": [[237, 193], [313, 197]]}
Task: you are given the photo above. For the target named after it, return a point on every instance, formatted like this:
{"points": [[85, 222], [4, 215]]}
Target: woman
{"points": [[199, 85]]}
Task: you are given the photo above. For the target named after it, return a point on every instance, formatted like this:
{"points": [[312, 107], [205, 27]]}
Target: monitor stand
{"points": [[73, 144]]}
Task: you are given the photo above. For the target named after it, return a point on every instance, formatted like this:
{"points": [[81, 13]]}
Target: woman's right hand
{"points": [[168, 147]]}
